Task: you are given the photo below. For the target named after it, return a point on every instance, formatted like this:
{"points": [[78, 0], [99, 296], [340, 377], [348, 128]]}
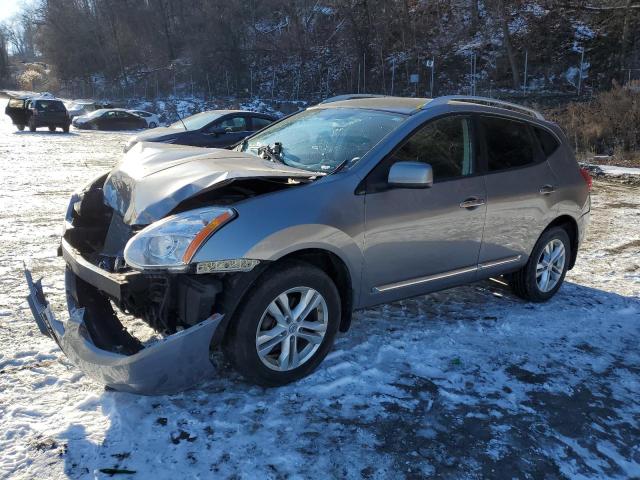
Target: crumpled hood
{"points": [[153, 178]]}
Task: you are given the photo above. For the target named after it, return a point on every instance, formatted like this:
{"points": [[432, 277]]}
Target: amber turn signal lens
{"points": [[204, 234]]}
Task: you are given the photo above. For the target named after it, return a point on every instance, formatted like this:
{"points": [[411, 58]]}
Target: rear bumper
{"points": [[44, 122], [583, 224], [170, 365]]}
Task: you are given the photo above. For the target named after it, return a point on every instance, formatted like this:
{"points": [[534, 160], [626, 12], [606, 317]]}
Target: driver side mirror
{"points": [[410, 175]]}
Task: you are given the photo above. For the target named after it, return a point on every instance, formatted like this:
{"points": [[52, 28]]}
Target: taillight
{"points": [[587, 178]]}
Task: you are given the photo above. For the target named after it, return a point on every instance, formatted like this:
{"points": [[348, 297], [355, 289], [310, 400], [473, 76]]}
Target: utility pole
{"points": [[526, 61], [580, 76], [431, 64], [393, 73], [328, 70], [364, 73], [473, 74], [273, 84]]}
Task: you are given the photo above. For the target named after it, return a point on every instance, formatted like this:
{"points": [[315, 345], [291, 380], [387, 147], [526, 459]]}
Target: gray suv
{"points": [[264, 251]]}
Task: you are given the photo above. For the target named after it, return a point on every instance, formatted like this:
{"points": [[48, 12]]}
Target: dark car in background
{"points": [[80, 107], [110, 119], [34, 112], [215, 128]]}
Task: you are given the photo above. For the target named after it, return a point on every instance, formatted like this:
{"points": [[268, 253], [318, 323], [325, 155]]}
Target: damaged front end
{"points": [[98, 282], [128, 241]]}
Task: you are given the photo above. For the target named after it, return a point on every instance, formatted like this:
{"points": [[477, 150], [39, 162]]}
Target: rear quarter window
{"points": [[50, 106], [509, 144], [260, 123], [547, 140]]}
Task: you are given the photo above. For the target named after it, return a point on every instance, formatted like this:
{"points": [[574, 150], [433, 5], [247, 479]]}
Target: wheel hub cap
{"points": [[292, 328], [550, 265]]}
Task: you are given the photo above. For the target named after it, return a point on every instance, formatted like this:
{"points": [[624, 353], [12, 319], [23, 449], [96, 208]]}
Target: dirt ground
{"points": [[467, 383]]}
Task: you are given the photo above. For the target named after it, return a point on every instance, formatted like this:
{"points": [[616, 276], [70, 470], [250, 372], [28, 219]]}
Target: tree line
{"points": [[313, 48]]}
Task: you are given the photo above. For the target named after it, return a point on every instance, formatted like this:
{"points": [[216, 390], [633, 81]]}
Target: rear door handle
{"points": [[472, 202], [547, 189]]}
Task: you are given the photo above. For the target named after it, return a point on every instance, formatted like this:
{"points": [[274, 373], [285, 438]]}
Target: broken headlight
{"points": [[172, 242]]}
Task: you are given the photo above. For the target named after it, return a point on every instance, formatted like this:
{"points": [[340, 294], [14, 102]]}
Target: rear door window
{"points": [[16, 103], [509, 144]]}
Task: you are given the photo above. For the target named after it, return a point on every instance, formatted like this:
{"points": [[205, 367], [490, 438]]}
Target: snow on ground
{"points": [[614, 171], [467, 383]]}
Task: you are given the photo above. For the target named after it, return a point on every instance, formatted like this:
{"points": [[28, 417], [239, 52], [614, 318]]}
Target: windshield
{"points": [[322, 139], [197, 121]]}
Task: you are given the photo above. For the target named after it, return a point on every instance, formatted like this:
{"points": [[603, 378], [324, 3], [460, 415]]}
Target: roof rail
{"points": [[491, 102], [350, 96]]}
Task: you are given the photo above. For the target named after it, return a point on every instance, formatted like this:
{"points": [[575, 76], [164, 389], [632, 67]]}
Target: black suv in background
{"points": [[37, 112]]}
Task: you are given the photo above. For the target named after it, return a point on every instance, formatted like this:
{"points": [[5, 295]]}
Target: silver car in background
{"points": [[267, 249]]}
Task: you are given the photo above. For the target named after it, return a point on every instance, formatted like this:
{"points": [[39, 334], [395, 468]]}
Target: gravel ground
{"points": [[467, 383]]}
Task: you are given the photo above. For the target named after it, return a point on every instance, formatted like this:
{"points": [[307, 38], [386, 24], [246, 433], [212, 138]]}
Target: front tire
{"points": [[285, 325], [52, 128], [153, 125], [543, 274], [20, 127]]}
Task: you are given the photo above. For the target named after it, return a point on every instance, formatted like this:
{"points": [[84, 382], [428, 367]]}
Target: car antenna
{"points": [[180, 118]]}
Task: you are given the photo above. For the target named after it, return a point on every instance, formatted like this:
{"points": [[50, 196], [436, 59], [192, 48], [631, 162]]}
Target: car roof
{"points": [[48, 99], [402, 105], [409, 106], [246, 112]]}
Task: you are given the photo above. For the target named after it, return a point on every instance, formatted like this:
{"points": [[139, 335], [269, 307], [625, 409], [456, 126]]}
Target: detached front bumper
{"points": [[172, 364]]}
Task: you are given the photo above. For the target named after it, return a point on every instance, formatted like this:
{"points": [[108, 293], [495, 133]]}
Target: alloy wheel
{"points": [[550, 265], [292, 328]]}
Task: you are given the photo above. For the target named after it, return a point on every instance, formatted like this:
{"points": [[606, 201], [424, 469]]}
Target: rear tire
{"points": [[20, 127], [52, 129], [32, 126], [153, 125], [263, 321], [544, 273], [65, 129]]}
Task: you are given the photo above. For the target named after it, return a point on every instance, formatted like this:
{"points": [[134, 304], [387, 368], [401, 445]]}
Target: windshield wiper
{"points": [[344, 163], [271, 153]]}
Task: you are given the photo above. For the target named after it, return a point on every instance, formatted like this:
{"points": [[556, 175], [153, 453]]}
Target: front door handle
{"points": [[547, 189], [472, 202]]}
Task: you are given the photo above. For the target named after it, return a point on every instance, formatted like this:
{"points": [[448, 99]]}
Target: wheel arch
{"points": [[571, 227], [237, 286], [336, 268]]}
